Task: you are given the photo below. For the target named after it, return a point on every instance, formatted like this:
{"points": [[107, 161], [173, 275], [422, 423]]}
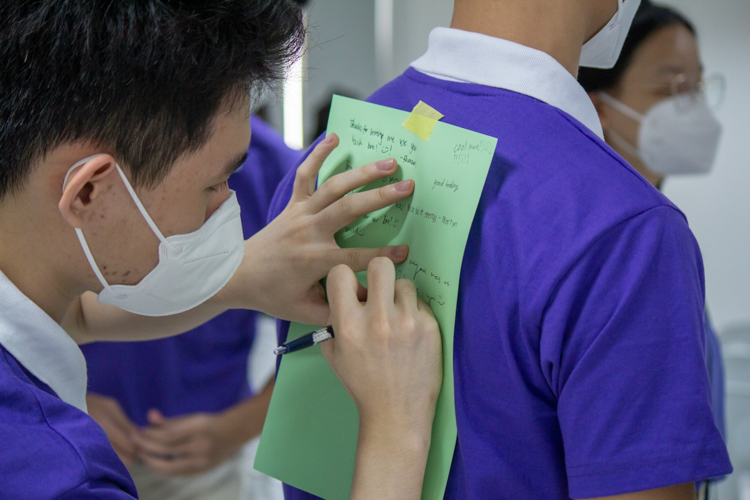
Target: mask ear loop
{"points": [[142, 209], [622, 108], [79, 233], [618, 14], [138, 204], [630, 113], [629, 148]]}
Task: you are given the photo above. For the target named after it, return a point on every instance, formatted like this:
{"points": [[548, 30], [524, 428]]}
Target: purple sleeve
{"points": [[623, 349], [96, 490], [715, 365]]}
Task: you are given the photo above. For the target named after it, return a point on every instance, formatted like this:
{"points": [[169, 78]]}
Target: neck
{"points": [[627, 151], [26, 261], [557, 28]]}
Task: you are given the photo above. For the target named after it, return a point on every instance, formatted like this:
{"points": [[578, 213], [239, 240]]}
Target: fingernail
{"points": [[329, 139], [403, 186], [385, 165], [400, 251]]}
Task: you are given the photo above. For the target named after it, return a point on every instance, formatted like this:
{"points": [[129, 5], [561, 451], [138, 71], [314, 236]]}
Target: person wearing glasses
{"points": [[657, 111], [655, 105]]}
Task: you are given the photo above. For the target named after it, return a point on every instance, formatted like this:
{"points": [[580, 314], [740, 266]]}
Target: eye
{"points": [[219, 187]]}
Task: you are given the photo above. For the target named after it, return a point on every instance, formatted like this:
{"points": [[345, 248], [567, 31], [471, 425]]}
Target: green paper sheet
{"points": [[310, 437]]}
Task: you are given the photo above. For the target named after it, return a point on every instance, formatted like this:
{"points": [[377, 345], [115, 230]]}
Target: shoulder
{"points": [[49, 447]]}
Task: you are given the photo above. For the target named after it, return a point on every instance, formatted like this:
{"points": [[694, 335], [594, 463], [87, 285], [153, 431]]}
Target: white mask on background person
{"points": [[678, 135], [191, 269], [603, 49]]}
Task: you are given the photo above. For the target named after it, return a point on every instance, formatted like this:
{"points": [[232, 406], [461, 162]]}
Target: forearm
{"points": [[390, 465], [246, 419], [89, 321]]}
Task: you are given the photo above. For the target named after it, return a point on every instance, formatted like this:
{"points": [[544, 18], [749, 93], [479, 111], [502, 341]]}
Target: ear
{"points": [[84, 185], [601, 109]]}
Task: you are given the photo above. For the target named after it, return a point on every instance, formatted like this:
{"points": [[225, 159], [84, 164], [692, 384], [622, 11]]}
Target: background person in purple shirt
{"points": [[579, 341], [661, 64], [199, 377]]}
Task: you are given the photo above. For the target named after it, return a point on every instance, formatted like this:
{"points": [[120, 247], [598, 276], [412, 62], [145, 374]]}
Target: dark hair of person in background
{"points": [[142, 77], [649, 19]]}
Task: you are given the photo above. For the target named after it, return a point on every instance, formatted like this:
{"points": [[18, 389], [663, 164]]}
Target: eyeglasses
{"points": [[710, 89]]}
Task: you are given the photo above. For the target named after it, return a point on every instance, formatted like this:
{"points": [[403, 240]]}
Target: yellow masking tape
{"points": [[422, 120]]}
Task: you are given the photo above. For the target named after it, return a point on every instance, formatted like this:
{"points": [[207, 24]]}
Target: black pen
{"points": [[305, 341]]}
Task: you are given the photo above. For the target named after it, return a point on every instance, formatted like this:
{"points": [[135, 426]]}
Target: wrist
{"points": [[238, 293], [394, 452], [242, 421], [412, 442]]}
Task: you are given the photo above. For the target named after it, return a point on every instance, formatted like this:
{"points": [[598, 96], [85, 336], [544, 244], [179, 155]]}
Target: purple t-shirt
{"points": [[205, 369], [579, 340], [51, 449]]}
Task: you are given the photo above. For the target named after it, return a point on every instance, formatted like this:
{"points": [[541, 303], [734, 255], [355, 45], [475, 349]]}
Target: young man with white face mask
{"points": [[120, 123], [579, 338]]}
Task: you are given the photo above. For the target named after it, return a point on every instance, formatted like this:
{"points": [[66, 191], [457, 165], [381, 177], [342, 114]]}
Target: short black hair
{"points": [[146, 78], [649, 19]]}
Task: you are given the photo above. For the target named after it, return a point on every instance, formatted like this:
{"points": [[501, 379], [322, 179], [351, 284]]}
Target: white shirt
{"points": [[464, 56], [41, 345]]}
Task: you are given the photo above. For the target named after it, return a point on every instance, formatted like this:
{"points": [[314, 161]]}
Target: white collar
{"points": [[464, 56], [41, 345]]}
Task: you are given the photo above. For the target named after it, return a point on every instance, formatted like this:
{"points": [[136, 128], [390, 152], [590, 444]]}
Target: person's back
{"points": [[578, 347], [657, 109]]}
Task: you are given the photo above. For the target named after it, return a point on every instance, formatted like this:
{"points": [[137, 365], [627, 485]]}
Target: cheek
{"points": [[179, 214], [625, 126], [217, 199]]}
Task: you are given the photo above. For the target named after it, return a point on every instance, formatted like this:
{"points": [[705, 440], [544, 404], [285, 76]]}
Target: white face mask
{"points": [[678, 135], [192, 267], [603, 49]]}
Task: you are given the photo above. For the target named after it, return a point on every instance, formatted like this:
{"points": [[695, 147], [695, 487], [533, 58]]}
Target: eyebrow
{"points": [[234, 164]]}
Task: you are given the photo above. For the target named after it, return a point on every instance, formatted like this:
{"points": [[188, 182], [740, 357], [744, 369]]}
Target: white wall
{"points": [[718, 205], [341, 52], [341, 46], [412, 22]]}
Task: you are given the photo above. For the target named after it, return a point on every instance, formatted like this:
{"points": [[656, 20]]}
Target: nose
{"points": [[216, 200]]}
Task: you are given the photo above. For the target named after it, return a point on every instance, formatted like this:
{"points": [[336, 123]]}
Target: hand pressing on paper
{"points": [[284, 262], [387, 354], [120, 430]]}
